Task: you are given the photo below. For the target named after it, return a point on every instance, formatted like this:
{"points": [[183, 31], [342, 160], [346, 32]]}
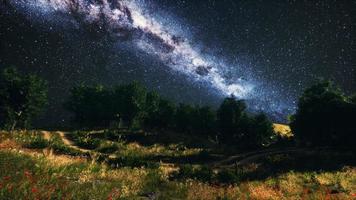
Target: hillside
{"points": [[116, 165]]}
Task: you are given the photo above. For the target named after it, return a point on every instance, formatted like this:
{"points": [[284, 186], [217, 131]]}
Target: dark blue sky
{"points": [[284, 46]]}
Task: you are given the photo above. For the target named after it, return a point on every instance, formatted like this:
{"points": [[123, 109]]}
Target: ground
{"points": [[122, 165]]}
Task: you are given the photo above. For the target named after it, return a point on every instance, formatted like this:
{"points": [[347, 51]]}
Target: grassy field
{"points": [[116, 165]]}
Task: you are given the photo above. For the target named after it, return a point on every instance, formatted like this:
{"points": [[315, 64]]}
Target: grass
{"points": [[130, 170]]}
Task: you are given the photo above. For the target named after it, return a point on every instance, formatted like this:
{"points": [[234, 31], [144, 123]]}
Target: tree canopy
{"points": [[22, 97], [325, 117]]}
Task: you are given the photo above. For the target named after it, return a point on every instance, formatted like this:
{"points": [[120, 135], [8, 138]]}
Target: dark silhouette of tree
{"points": [[229, 116], [159, 112], [131, 100], [325, 116], [183, 118], [203, 121], [353, 99], [259, 131], [22, 97], [91, 106]]}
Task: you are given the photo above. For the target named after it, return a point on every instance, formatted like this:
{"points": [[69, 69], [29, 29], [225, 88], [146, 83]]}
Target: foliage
{"points": [[229, 117], [137, 109], [32, 140], [159, 112], [59, 147], [83, 139], [22, 97], [325, 116]]}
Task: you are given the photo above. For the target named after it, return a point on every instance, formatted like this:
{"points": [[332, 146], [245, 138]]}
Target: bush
{"points": [[107, 148], [228, 177], [204, 174], [84, 140], [32, 140]]}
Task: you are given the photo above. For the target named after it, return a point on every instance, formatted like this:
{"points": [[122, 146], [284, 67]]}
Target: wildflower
{"points": [[9, 188], [34, 190], [27, 174], [6, 178]]}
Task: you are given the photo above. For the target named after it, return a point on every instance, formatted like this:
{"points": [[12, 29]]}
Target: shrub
{"points": [[59, 147], [84, 140], [32, 140], [228, 177], [108, 147], [204, 174]]}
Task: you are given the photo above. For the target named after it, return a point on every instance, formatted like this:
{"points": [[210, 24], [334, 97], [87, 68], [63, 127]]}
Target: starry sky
{"points": [[192, 51]]}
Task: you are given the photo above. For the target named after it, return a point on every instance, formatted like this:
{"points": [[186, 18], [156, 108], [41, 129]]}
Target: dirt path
{"points": [[46, 135], [243, 159], [70, 143]]}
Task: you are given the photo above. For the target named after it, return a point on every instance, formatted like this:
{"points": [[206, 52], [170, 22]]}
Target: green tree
{"points": [[22, 97], [229, 118], [325, 116], [259, 131], [184, 117], [203, 121], [91, 105], [131, 101], [159, 112]]}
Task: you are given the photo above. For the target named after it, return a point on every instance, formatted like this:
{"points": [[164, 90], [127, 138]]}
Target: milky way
{"points": [[135, 23], [125, 20]]}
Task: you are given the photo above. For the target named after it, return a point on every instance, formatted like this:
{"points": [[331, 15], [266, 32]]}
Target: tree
{"points": [[131, 101], [353, 99], [203, 121], [159, 112], [184, 117], [91, 105], [325, 116], [229, 116], [22, 97], [259, 131]]}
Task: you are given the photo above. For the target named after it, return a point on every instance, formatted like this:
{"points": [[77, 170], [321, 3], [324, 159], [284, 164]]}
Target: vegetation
{"points": [[144, 146], [325, 117], [35, 175], [133, 107], [22, 97]]}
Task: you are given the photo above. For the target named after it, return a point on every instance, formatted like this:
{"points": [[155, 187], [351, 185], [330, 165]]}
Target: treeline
{"points": [[325, 116], [132, 106]]}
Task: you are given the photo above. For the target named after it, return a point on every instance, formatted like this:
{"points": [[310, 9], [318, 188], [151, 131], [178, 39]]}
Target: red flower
{"points": [[34, 190], [6, 178]]}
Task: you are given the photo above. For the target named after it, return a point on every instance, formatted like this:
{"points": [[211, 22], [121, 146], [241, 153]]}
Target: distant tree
{"points": [[184, 117], [259, 131], [22, 97], [325, 116], [131, 100], [353, 99], [91, 106], [203, 121], [151, 110], [159, 112], [229, 118]]}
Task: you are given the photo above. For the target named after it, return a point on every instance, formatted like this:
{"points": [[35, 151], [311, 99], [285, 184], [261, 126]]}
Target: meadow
{"points": [[118, 165]]}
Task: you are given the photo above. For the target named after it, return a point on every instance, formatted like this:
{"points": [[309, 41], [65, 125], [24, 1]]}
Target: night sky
{"points": [[192, 51]]}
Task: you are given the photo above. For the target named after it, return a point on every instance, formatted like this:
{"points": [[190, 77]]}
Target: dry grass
{"points": [[283, 130], [73, 177]]}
